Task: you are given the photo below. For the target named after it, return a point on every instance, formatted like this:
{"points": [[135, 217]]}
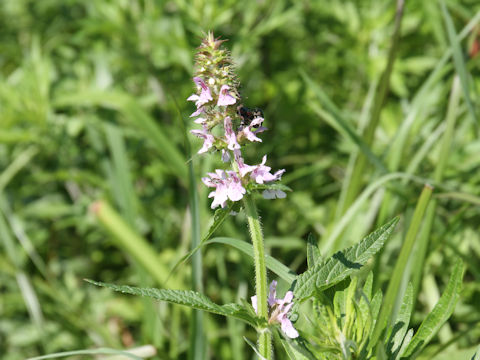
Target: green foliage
{"points": [[89, 99], [440, 313], [343, 327], [333, 270], [188, 298]]}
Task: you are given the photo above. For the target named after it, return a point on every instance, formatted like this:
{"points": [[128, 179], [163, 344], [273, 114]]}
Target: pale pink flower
{"points": [[224, 98], [230, 134], [208, 138], [225, 156], [249, 133], [261, 173], [227, 187], [280, 315], [200, 121], [243, 168], [278, 310], [205, 94], [197, 112]]}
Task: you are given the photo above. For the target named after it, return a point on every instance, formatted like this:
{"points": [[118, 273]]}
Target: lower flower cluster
{"points": [[278, 310]]}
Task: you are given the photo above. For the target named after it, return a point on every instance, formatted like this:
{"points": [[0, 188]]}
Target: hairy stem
{"points": [[265, 337]]}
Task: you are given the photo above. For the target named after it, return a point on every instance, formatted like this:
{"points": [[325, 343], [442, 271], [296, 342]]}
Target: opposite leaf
{"points": [[184, 297], [341, 264]]}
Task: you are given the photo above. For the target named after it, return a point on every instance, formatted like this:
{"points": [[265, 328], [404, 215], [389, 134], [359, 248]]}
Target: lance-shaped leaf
{"points": [[341, 264], [440, 313], [400, 328], [189, 298]]}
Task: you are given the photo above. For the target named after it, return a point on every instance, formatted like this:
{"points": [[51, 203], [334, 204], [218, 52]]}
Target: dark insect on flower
{"points": [[247, 115]]}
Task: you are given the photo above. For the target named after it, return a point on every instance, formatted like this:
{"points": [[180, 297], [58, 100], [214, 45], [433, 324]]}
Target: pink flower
{"points": [[242, 167], [208, 138], [205, 95], [272, 294], [200, 121], [278, 310], [230, 134], [249, 133], [225, 156], [227, 186], [199, 111], [280, 315], [261, 173], [224, 98]]}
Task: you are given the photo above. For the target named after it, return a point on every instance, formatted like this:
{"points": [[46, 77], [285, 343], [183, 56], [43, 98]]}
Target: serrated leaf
{"points": [[440, 313], [296, 350], [400, 327], [313, 252], [188, 298], [341, 264]]}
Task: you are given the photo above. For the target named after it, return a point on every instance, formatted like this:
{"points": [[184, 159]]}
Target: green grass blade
{"points": [[333, 242], [440, 313], [100, 351], [123, 192], [19, 163], [459, 196], [392, 294], [341, 123], [355, 182], [121, 181], [135, 245], [198, 346], [136, 116], [445, 149], [459, 61], [219, 217], [273, 264]]}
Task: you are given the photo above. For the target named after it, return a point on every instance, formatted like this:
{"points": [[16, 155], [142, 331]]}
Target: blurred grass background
{"points": [[89, 97]]}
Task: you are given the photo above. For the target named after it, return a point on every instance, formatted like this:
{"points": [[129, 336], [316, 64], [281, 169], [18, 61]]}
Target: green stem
{"points": [[265, 337]]}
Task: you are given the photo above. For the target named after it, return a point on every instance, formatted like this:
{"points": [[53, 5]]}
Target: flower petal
{"points": [[288, 329], [224, 98], [273, 293], [254, 303]]}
